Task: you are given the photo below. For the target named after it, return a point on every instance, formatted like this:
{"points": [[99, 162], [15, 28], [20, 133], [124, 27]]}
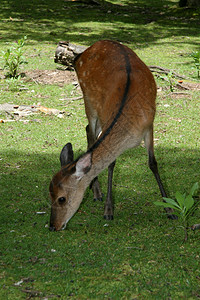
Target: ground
{"points": [[56, 76]]}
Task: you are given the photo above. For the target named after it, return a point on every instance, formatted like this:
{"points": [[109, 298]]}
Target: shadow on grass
{"points": [[25, 178], [53, 20]]}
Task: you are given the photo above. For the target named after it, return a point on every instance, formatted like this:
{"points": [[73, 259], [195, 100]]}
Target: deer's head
{"points": [[67, 187]]}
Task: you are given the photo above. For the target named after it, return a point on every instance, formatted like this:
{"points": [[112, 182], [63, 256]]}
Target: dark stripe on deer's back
{"points": [[124, 52]]}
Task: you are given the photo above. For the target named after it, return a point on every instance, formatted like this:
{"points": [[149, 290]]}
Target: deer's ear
{"points": [[83, 165], [66, 155]]}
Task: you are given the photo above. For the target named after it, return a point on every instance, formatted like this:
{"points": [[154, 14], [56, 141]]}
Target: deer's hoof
{"points": [[108, 217]]}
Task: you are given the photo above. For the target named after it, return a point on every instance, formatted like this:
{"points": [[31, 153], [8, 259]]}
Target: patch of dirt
{"points": [[59, 77]]}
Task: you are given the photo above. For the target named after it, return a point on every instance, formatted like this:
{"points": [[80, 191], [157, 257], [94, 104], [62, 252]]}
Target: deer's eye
{"points": [[61, 200]]}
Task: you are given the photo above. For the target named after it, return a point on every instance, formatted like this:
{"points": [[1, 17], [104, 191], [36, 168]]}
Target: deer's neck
{"points": [[105, 153]]}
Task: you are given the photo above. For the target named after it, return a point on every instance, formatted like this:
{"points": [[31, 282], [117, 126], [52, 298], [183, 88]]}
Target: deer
{"points": [[119, 94]]}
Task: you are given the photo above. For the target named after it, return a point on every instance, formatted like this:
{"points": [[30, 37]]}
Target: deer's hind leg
{"points": [[148, 139]]}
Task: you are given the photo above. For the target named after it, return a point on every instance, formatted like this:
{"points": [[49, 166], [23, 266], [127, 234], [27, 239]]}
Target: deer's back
{"points": [[114, 82]]}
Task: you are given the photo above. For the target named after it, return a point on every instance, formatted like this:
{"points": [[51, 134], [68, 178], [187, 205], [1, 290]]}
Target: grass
{"points": [[140, 255]]}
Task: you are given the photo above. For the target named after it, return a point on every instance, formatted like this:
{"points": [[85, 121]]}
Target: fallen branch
{"points": [[166, 71], [66, 53], [32, 293]]}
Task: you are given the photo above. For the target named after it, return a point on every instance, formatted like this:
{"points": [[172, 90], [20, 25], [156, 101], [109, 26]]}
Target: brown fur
{"points": [[119, 94]]}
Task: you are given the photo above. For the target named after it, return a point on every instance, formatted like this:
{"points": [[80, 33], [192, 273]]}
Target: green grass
{"points": [[140, 255]]}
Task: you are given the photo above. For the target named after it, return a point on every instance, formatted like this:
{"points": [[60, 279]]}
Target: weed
{"points": [[170, 80], [184, 206], [13, 58]]}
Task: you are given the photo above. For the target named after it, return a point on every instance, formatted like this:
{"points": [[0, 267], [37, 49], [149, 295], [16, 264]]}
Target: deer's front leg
{"points": [[94, 185]]}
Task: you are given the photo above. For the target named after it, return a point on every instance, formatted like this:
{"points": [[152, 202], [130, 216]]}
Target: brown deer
{"points": [[119, 94]]}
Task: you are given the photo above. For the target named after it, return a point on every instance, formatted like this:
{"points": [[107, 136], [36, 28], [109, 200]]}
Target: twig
{"points": [[182, 87], [166, 71], [75, 98], [195, 227], [181, 93]]}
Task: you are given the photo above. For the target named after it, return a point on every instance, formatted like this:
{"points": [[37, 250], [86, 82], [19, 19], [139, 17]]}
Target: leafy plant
{"points": [[13, 58], [169, 77], [183, 206], [196, 60]]}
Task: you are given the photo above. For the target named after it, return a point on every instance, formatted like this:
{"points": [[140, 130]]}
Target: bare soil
{"points": [[59, 77]]}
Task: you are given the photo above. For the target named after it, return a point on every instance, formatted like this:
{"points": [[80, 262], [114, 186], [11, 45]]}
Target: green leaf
{"points": [[192, 209], [163, 204], [180, 198], [172, 202], [6, 55], [189, 202], [194, 189]]}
